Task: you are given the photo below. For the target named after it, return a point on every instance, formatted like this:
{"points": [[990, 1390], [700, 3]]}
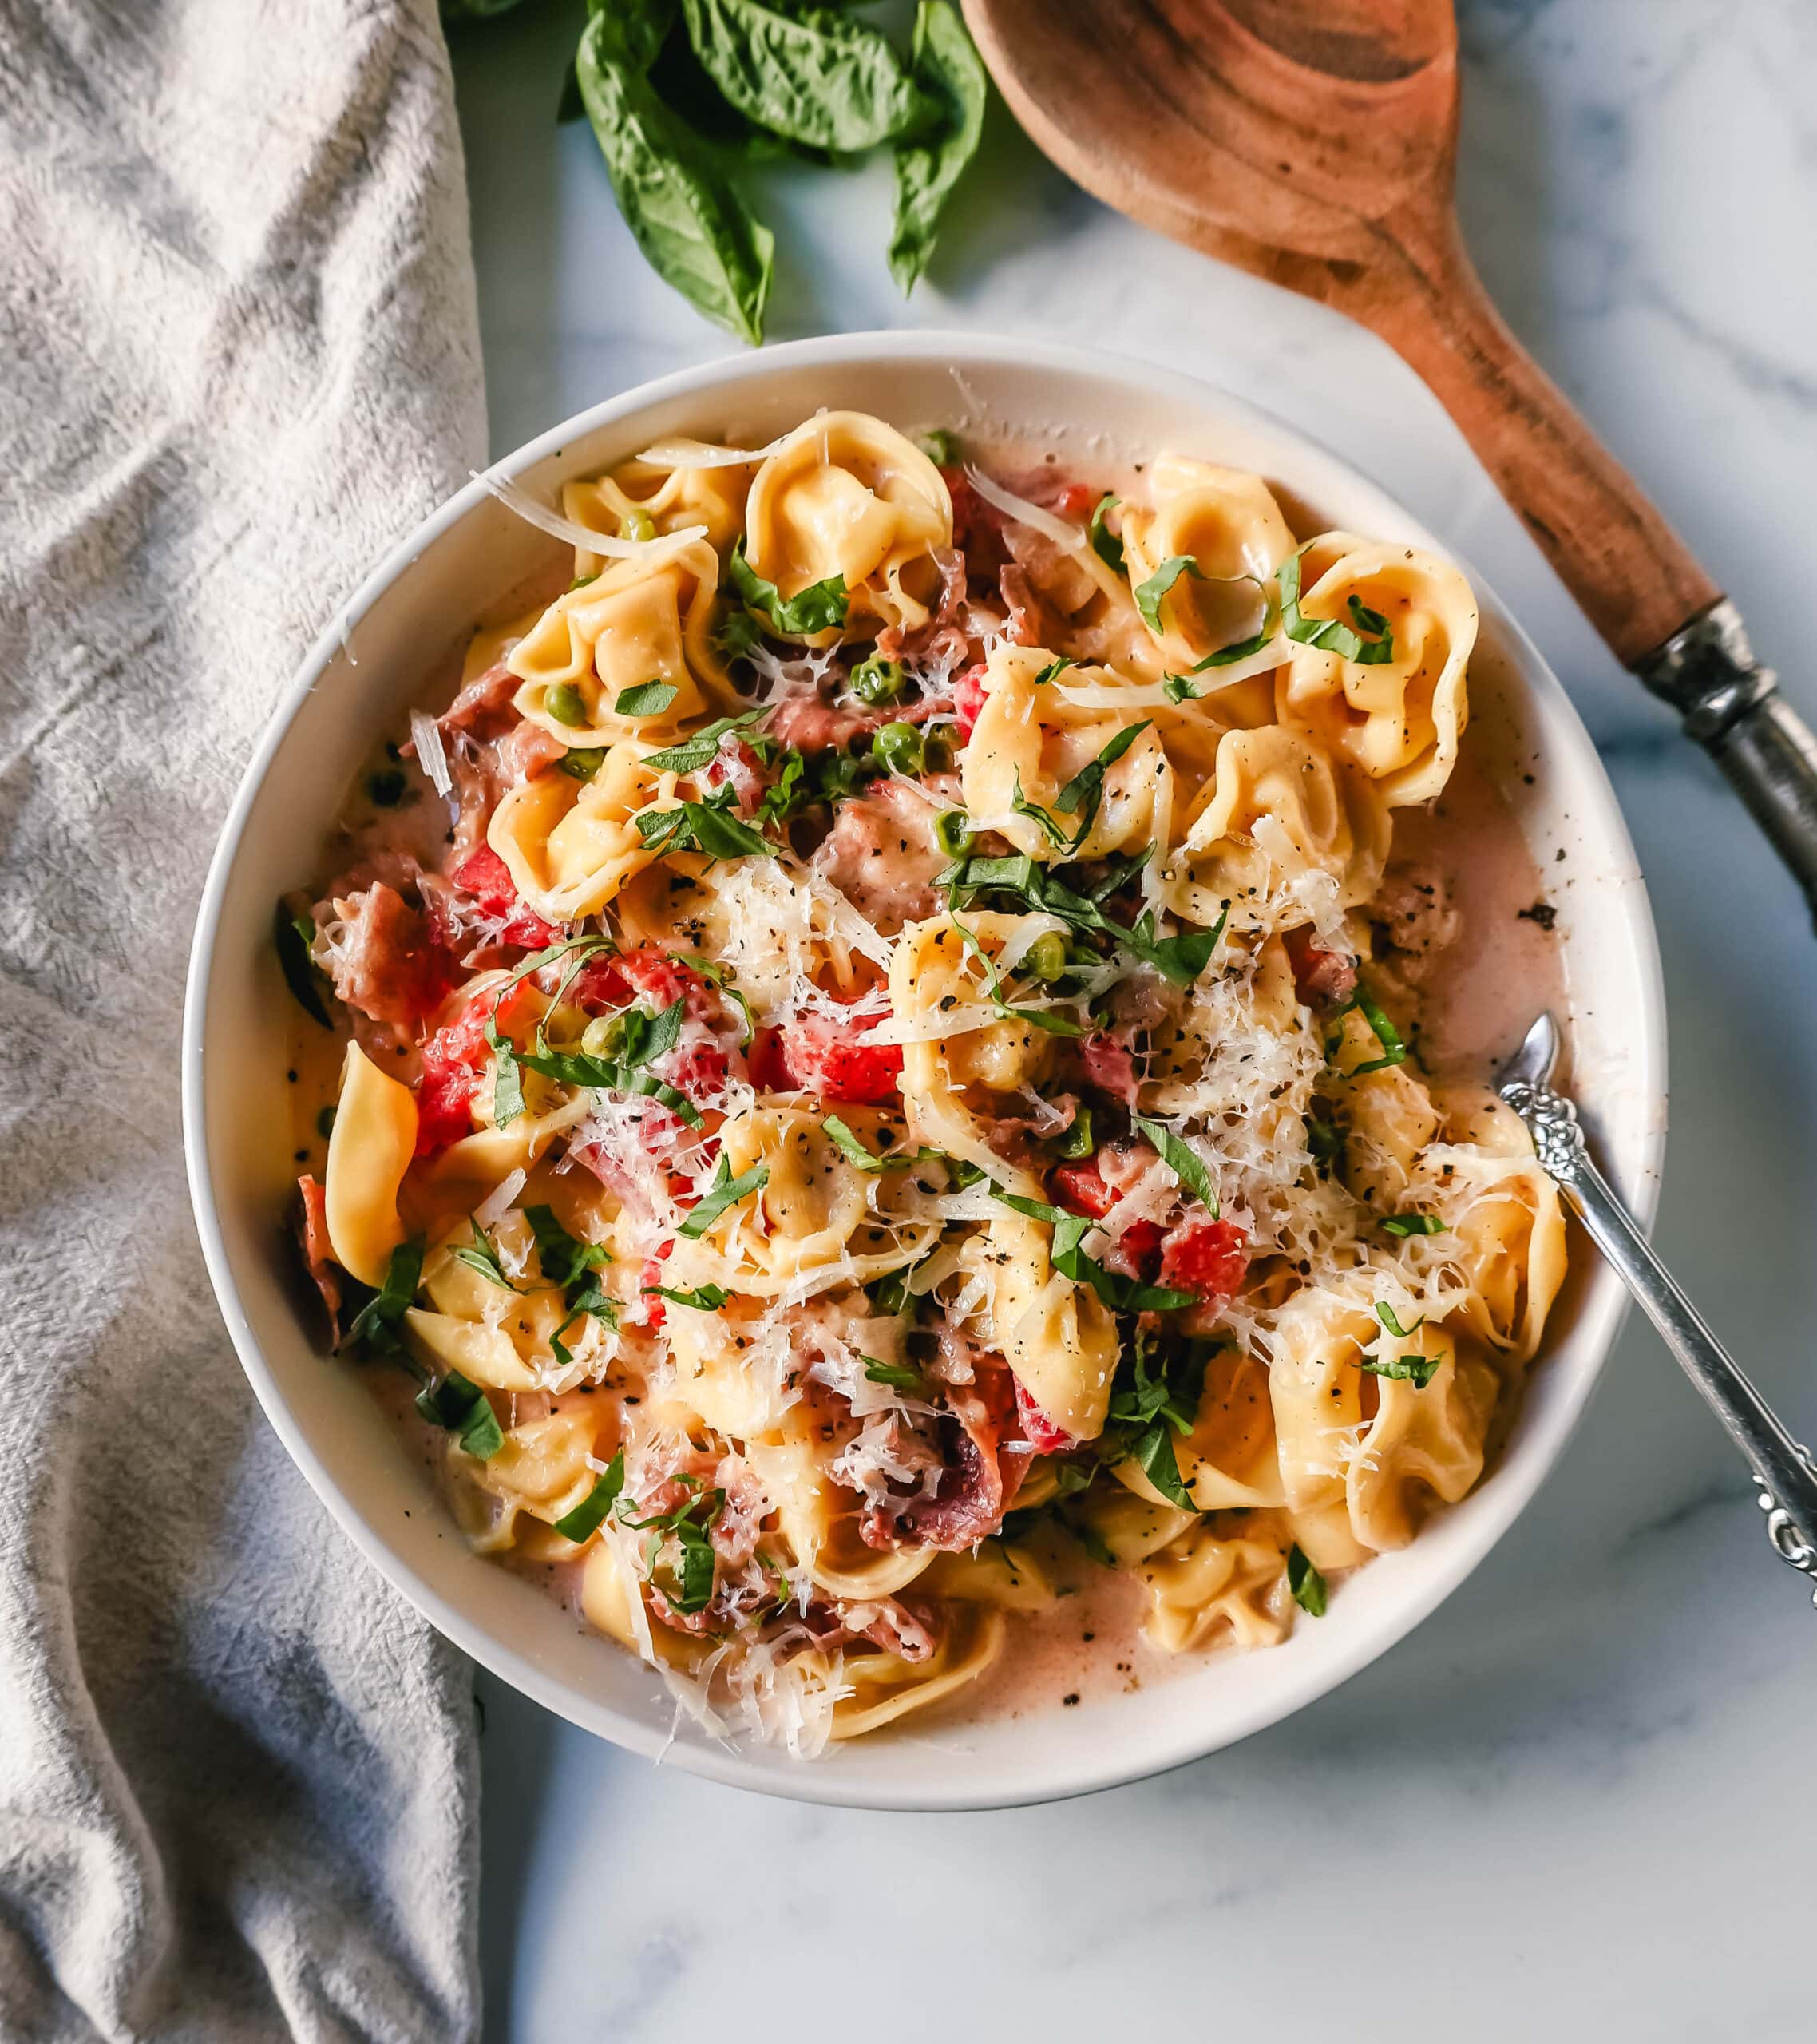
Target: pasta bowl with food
{"points": [[836, 1069]]}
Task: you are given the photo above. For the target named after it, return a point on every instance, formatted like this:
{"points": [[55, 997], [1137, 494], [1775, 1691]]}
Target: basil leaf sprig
{"points": [[1122, 1294], [1156, 1398], [1419, 1370], [586, 1518], [1327, 633], [1105, 543], [821, 607], [1386, 1315], [648, 699], [687, 1579], [1305, 1582], [458, 1404], [708, 827], [1394, 1048], [695, 232], [374, 1328], [565, 1258], [724, 1190], [700, 748], [1412, 1224], [852, 1148], [645, 1039], [897, 1376], [703, 1298], [1182, 1160], [482, 1254], [949, 73]]}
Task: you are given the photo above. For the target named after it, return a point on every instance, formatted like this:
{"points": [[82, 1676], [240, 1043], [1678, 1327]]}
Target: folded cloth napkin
{"points": [[239, 357]]}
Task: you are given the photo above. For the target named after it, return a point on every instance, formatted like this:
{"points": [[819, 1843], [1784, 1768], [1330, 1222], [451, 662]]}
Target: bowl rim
{"points": [[1493, 1510]]}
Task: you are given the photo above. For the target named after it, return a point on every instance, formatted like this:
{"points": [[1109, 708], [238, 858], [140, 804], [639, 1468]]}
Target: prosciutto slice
{"points": [[979, 1479]]}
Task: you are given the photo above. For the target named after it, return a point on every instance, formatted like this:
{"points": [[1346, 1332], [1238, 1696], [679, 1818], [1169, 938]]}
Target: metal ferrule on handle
{"points": [[1731, 706], [1784, 1474]]}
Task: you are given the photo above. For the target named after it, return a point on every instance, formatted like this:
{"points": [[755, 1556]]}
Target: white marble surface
{"points": [[1579, 1799]]}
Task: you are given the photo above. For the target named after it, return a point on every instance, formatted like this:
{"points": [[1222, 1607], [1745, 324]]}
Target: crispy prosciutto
{"points": [[383, 958], [979, 1480]]}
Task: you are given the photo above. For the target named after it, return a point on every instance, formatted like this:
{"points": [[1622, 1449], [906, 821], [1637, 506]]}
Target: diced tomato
{"points": [[484, 876], [1081, 1189], [452, 1060], [1322, 978], [1208, 1257], [1074, 500], [737, 763], [968, 701], [1109, 1066], [769, 1070], [1044, 1437], [604, 985], [824, 1055], [655, 1310]]}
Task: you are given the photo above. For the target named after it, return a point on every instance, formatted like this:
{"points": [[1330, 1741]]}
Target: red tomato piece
{"points": [[833, 1059], [452, 1060], [655, 1310], [1044, 1437], [968, 701], [769, 1070], [485, 876], [1081, 1189], [1074, 500], [1208, 1257]]}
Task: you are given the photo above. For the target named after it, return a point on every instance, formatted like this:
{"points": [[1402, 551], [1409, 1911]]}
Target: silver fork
{"points": [[1785, 1477]]}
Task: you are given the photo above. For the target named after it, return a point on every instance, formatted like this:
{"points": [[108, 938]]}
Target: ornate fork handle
{"points": [[1784, 1474]]}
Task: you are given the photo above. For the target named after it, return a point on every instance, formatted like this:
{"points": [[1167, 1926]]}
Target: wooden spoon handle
{"points": [[1636, 581]]}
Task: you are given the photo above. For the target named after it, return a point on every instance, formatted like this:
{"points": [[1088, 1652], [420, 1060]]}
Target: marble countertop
{"points": [[1579, 1798]]}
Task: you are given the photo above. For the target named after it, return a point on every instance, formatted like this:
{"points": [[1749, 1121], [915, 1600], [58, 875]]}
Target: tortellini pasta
{"points": [[882, 1687], [369, 1151], [1398, 720], [1206, 1583], [641, 499], [570, 845], [1058, 1337], [629, 652]]}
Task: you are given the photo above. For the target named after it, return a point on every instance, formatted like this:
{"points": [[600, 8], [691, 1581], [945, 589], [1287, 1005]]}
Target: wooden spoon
{"points": [[1314, 142]]}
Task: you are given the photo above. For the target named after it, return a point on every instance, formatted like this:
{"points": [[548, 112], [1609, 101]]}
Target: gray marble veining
{"points": [[1568, 1803]]}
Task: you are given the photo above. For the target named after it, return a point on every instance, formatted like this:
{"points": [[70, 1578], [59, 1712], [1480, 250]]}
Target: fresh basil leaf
{"points": [[1305, 1581], [1182, 1160], [1021, 806], [737, 635], [724, 1190], [375, 1326], [507, 1085], [1179, 960], [693, 229], [1393, 1049], [1148, 594], [1105, 543], [589, 1301], [458, 1405], [821, 607], [1419, 1370], [703, 1298], [1178, 687], [853, 1150], [565, 1258], [1152, 1452], [1327, 633], [648, 699], [1053, 670], [1413, 1224], [1083, 794], [818, 77], [701, 827], [293, 936], [1122, 1294], [482, 1255], [1386, 1315], [587, 1516], [950, 75], [698, 1569], [701, 748], [897, 1376]]}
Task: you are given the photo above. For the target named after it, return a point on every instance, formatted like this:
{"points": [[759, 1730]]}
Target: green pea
{"points": [[1077, 1141], [604, 1036], [877, 680], [954, 835], [583, 762], [563, 703], [899, 749], [941, 447], [637, 524], [1045, 958]]}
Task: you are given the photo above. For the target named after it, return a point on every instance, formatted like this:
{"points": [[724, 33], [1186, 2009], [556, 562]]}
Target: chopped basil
{"points": [[897, 1376], [855, 1154], [950, 76], [1152, 1452], [481, 1255], [1148, 594], [1122, 1294], [701, 748], [587, 1516], [707, 827], [375, 1326], [1021, 806], [643, 1039], [1052, 671], [1386, 1315], [293, 935], [821, 607], [724, 1190], [1305, 1581], [703, 1298], [1419, 1370], [721, 976], [1084, 791], [693, 229], [1182, 1160], [1393, 1049], [1413, 1224], [565, 1258], [648, 699], [1327, 633], [737, 635], [458, 1404], [1105, 543], [1178, 687]]}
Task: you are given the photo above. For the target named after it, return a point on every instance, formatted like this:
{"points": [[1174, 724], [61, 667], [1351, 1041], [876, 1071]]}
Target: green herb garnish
{"points": [[482, 1254], [897, 1376], [703, 1298], [459, 1405], [1386, 1315], [821, 607], [1305, 1581], [375, 1326], [648, 699], [701, 748], [1419, 1370], [1105, 543], [1412, 1224], [1182, 1160], [587, 1516], [1327, 633], [708, 827], [1122, 1294], [949, 74], [724, 1190]]}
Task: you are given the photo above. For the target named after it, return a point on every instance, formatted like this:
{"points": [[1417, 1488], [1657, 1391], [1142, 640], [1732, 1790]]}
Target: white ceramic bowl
{"points": [[418, 604]]}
